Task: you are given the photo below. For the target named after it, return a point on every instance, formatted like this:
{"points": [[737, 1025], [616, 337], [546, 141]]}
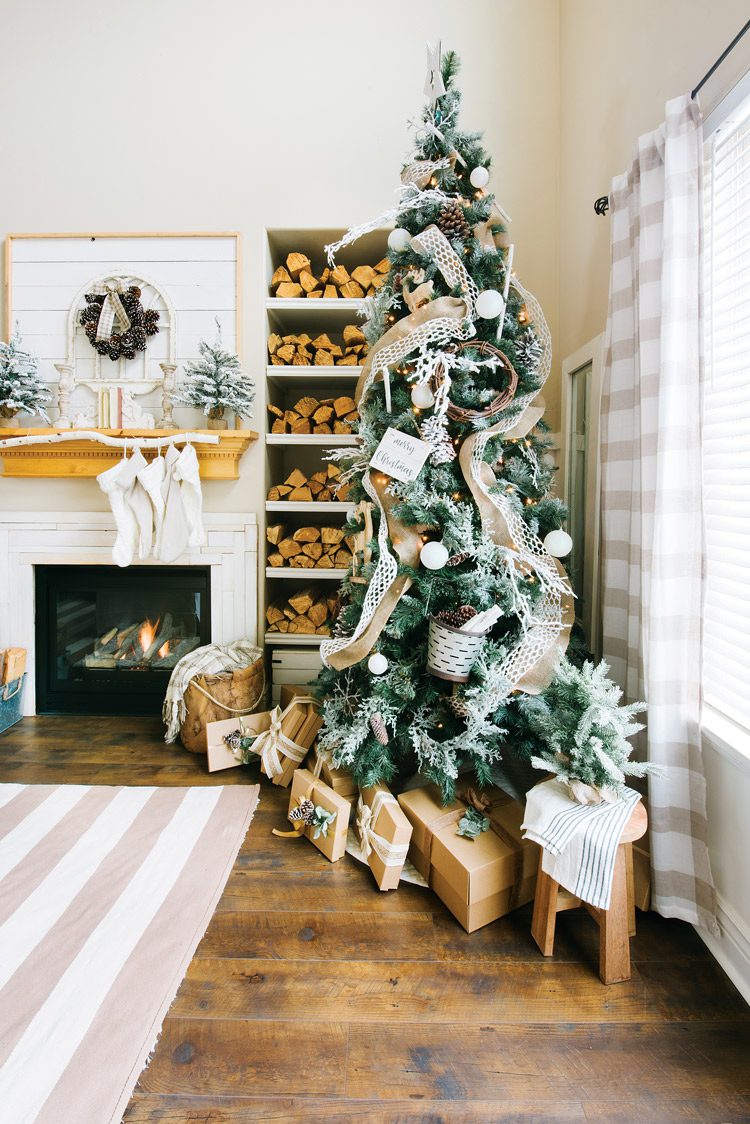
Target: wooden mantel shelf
{"points": [[89, 458]]}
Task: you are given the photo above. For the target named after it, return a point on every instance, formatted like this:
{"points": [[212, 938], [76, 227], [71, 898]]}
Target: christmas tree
{"points": [[216, 382], [22, 390], [450, 647]]}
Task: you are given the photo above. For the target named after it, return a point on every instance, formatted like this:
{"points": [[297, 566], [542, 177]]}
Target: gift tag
{"points": [[400, 455]]}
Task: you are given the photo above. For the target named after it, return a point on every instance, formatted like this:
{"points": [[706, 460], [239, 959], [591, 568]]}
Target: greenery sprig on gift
{"points": [[472, 823], [216, 382], [22, 389], [314, 816], [241, 745]]}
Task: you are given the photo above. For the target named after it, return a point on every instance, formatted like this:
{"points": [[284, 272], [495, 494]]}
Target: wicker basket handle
{"points": [[231, 709]]}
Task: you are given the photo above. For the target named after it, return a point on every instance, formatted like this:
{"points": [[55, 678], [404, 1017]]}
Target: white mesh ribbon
{"points": [[420, 172], [435, 245], [411, 200], [390, 854], [385, 574], [113, 311]]}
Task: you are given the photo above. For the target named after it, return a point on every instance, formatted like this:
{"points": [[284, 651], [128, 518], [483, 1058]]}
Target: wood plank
{"points": [[496, 1062], [320, 936], [151, 1108], [377, 992], [205, 1057], [343, 886]]}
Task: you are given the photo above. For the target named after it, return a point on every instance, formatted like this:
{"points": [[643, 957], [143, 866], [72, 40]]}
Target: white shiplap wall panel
{"points": [[199, 274]]}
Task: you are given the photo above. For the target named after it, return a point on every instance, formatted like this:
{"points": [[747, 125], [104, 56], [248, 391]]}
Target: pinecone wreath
{"points": [[452, 221], [143, 323]]}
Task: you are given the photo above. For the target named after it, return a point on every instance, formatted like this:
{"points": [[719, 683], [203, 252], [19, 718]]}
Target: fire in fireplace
{"points": [[107, 639]]}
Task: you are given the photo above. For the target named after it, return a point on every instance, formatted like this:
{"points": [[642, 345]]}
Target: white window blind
{"points": [[726, 420]]}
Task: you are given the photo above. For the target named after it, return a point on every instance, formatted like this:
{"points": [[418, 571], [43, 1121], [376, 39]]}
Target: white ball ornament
{"points": [[558, 543], [433, 555], [422, 397], [399, 239], [377, 663], [489, 304], [479, 177]]}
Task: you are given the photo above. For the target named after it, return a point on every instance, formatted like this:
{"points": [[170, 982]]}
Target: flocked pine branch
{"points": [[22, 389], [216, 382]]}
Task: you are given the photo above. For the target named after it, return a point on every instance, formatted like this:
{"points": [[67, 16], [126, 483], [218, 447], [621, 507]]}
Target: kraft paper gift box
{"points": [[384, 834], [282, 739], [478, 879], [332, 841], [340, 780]]}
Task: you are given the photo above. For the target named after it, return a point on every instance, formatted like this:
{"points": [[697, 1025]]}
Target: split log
{"points": [[289, 290], [275, 532], [295, 263], [307, 534]]}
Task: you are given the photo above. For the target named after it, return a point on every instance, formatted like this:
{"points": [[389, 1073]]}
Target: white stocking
{"points": [[174, 528], [151, 479], [116, 482], [187, 471], [139, 503]]}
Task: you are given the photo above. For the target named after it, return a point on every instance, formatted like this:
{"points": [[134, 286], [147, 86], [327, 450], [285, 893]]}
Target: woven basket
{"points": [[212, 698], [451, 653]]}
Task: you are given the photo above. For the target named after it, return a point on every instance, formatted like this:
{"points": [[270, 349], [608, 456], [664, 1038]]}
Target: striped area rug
{"points": [[104, 896]]}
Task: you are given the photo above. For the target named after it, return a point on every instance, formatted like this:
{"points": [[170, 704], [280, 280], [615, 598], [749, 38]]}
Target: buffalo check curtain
{"points": [[652, 523]]}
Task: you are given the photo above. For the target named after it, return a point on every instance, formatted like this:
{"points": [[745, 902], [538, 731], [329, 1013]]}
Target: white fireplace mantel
{"points": [[86, 538]]}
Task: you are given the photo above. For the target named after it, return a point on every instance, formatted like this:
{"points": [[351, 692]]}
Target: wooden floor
{"points": [[313, 997]]}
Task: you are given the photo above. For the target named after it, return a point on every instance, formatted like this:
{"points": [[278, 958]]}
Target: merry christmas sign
{"points": [[400, 455]]}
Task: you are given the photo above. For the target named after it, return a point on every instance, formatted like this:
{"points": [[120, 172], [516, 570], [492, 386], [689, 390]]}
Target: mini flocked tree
{"points": [[215, 383], [22, 389], [459, 351]]}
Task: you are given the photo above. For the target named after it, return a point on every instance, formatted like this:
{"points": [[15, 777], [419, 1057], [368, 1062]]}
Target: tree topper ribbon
{"points": [[113, 311]]}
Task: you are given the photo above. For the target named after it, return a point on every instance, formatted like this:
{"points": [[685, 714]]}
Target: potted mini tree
{"points": [[22, 390], [216, 383]]}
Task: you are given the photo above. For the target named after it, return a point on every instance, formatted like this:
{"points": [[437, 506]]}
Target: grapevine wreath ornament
{"points": [[503, 399], [115, 321]]}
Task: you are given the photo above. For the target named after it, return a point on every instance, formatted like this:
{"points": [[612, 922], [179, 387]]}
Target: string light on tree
{"points": [[433, 555], [558, 543]]}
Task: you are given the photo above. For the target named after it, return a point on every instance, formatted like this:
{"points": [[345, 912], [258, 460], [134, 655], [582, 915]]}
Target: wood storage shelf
{"points": [[296, 572], [89, 458]]}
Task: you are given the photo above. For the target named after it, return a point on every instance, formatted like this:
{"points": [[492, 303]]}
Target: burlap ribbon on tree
{"points": [[113, 311]]}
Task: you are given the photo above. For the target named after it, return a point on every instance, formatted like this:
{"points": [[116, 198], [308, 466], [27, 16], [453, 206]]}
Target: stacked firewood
{"points": [[309, 548], [311, 610], [296, 279], [323, 486], [315, 415], [304, 351]]}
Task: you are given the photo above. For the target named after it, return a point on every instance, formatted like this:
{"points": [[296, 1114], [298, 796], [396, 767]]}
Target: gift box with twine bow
{"points": [[384, 833], [280, 738], [318, 813], [471, 852]]}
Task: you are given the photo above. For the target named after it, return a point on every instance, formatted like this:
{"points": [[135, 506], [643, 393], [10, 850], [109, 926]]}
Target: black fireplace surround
{"points": [[107, 638]]}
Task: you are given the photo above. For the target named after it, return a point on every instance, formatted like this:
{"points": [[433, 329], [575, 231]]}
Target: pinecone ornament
{"points": [[378, 728], [452, 222], [456, 618], [304, 812], [457, 559]]}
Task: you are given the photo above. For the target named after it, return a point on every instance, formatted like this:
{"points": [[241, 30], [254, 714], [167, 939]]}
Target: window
{"points": [[726, 419]]}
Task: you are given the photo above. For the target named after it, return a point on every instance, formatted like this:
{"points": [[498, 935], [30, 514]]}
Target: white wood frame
{"points": [[593, 353]]}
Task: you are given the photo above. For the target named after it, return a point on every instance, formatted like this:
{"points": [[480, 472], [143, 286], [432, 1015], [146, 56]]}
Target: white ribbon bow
{"points": [[113, 310], [390, 854], [273, 744]]}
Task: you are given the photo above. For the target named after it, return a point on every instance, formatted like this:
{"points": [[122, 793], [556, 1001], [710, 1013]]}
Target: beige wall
{"points": [[620, 62], [239, 115]]}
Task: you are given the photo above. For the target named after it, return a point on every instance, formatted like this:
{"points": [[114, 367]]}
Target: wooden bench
{"points": [[616, 924]]}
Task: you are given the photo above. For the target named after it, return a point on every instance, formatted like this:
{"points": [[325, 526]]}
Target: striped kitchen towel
{"points": [[104, 896], [579, 841]]}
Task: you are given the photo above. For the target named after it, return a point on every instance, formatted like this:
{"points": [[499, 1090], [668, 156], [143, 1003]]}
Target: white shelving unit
{"points": [[284, 385]]}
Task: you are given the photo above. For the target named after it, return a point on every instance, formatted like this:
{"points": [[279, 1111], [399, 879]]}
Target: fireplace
{"points": [[107, 639]]}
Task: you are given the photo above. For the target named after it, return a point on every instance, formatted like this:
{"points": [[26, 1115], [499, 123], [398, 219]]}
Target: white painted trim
{"points": [[593, 353], [732, 949], [86, 538], [726, 738], [727, 106]]}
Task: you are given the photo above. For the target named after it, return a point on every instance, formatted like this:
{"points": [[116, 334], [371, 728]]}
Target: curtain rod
{"points": [[601, 205]]}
